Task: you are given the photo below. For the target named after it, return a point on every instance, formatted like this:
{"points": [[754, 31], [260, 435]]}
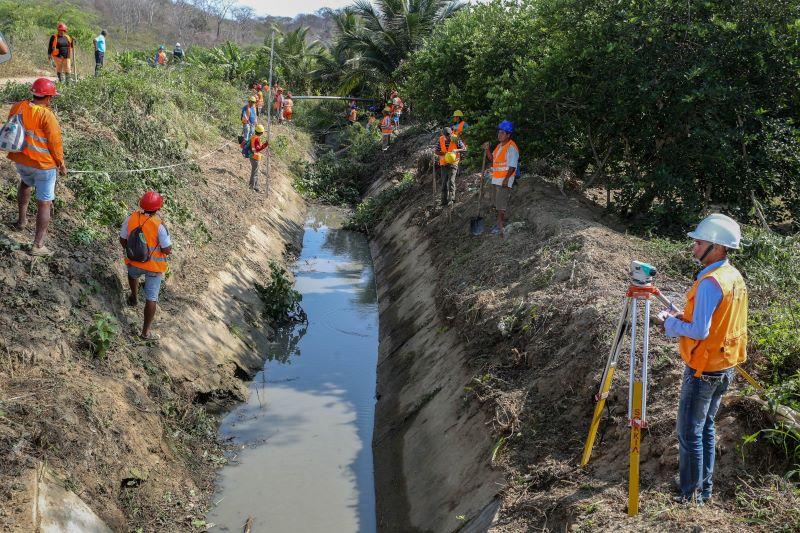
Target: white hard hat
{"points": [[719, 229], [177, 44]]}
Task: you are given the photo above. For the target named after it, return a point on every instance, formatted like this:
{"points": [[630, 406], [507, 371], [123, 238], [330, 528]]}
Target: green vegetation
{"points": [[101, 334], [281, 301], [140, 119], [340, 177], [672, 105], [369, 212]]}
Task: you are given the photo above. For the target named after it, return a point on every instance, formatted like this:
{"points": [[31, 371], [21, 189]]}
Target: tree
{"points": [[218, 10]]}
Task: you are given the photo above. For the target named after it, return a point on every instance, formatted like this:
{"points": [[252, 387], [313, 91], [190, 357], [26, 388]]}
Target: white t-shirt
{"points": [[163, 235], [512, 161]]}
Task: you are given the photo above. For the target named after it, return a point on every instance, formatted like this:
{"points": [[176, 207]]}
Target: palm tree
{"points": [[390, 30], [295, 59], [338, 66]]}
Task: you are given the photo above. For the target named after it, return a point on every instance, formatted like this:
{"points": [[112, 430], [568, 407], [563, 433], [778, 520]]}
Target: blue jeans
{"points": [[152, 281], [43, 181], [698, 406]]}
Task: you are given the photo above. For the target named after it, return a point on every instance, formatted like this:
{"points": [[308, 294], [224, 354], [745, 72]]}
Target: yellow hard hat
{"points": [[449, 158], [458, 113], [251, 99], [259, 129]]}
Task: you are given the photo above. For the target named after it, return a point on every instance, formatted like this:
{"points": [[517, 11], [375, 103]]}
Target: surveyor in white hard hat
{"points": [[712, 340]]}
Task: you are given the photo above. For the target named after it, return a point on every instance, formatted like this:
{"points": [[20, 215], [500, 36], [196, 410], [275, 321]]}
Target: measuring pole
{"points": [[269, 106]]}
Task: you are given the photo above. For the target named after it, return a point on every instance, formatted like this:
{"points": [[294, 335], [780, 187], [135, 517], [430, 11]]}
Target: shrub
{"points": [[370, 211], [281, 301], [101, 334]]}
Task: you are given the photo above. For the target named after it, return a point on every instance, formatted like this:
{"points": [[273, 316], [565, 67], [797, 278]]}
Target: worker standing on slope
{"points": [[712, 340], [397, 110], [387, 127], [147, 244], [459, 125], [161, 56], [256, 147], [288, 107], [249, 118], [177, 53], [448, 149], [505, 163], [371, 118], [61, 49], [41, 158], [259, 100], [99, 52], [352, 112]]}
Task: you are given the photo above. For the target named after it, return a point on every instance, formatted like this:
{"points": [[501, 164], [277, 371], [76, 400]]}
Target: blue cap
{"points": [[506, 126]]}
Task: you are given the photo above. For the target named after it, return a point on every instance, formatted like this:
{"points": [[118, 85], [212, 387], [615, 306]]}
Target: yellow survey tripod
{"points": [[641, 289]]}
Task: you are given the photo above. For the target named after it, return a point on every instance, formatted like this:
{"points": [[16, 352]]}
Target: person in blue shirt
{"points": [[712, 340], [99, 51], [249, 118]]}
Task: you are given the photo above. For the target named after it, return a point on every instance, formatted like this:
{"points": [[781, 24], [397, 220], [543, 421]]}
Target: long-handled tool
{"points": [[476, 224], [434, 184]]}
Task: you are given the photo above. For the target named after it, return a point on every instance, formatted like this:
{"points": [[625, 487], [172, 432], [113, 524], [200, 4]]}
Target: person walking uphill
{"points": [[505, 163], [61, 48], [712, 340], [39, 160], [147, 244], [449, 149], [256, 146]]}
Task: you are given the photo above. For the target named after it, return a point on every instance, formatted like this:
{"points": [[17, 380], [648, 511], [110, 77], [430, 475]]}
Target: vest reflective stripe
{"points": [[36, 144], [386, 125], [726, 344], [444, 150], [36, 137], [499, 161], [158, 260]]}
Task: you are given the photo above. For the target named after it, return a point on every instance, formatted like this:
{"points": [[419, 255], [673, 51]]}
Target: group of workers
{"points": [[39, 160], [61, 50], [251, 139]]}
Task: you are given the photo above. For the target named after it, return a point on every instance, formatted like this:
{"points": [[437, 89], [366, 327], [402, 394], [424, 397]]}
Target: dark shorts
{"points": [[99, 57]]}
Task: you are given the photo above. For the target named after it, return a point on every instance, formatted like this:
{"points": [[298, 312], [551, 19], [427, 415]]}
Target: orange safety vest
{"points": [[36, 153], [443, 150], [726, 344], [254, 142], [499, 166], [162, 57], [260, 99], [54, 51], [459, 128], [386, 125], [150, 224]]}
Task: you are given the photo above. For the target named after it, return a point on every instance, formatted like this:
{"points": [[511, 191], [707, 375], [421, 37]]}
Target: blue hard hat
{"points": [[506, 126]]}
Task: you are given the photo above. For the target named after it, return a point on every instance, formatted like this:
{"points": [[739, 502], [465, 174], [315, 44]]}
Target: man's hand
{"points": [[505, 182], [486, 145], [62, 169]]}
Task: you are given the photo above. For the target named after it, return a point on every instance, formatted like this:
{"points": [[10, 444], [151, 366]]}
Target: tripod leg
{"points": [[636, 439], [605, 382], [632, 361], [645, 356]]}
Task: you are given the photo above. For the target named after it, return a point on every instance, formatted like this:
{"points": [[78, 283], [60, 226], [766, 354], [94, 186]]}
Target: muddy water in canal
{"points": [[304, 457]]}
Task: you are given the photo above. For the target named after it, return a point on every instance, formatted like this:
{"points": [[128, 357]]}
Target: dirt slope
{"points": [[528, 323], [129, 434]]}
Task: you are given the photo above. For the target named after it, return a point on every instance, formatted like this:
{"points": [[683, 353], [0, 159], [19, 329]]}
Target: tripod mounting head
{"points": [[642, 273]]}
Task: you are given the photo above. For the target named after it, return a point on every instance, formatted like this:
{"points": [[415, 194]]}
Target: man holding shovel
{"points": [[448, 149], [505, 161]]}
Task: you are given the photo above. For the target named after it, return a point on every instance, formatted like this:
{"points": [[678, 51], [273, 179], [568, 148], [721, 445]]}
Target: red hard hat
{"points": [[258, 87], [151, 201], [44, 87], [61, 27]]}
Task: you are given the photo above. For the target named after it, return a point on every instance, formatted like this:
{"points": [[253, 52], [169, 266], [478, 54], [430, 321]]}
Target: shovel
{"points": [[476, 224]]}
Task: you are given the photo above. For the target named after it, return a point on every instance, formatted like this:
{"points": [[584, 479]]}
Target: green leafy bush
{"points": [[673, 104], [101, 334]]}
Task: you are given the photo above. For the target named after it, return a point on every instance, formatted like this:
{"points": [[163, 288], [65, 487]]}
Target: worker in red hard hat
{"points": [[147, 243], [61, 49], [39, 159]]}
